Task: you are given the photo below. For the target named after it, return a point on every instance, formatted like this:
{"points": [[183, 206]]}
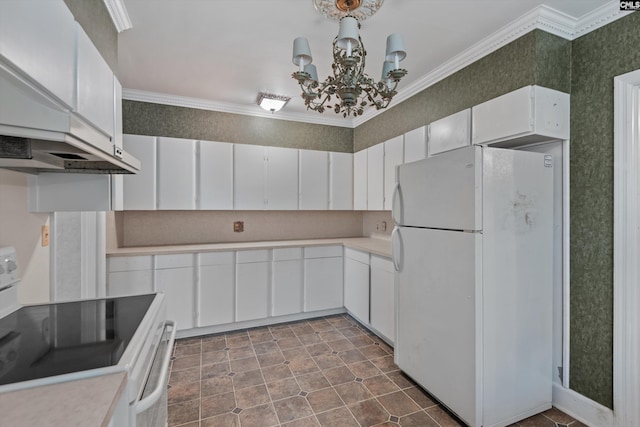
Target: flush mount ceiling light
{"points": [[353, 89], [271, 102]]}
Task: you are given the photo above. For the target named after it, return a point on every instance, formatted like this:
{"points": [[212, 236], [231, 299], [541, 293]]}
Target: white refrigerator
{"points": [[472, 249]]}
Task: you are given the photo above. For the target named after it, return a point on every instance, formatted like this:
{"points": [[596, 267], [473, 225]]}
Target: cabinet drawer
{"points": [[260, 255], [130, 263], [323, 251], [362, 257], [285, 254], [216, 258], [382, 263], [174, 261]]}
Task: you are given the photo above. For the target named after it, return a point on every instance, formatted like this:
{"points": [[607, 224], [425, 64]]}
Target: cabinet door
{"points": [[383, 297], [340, 181], [178, 286], [360, 181], [415, 145], [176, 174], [323, 280], [248, 177], [450, 132], [215, 175], [129, 282], [287, 287], [356, 289], [94, 85], [140, 189], [375, 177], [216, 300], [38, 38], [252, 284], [314, 180], [393, 156], [282, 178], [117, 112]]}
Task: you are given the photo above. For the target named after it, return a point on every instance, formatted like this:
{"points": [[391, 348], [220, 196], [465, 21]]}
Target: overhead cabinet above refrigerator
{"points": [[472, 252]]}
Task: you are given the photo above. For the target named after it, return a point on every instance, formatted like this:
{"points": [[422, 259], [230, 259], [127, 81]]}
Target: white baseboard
{"points": [[581, 408], [256, 323]]}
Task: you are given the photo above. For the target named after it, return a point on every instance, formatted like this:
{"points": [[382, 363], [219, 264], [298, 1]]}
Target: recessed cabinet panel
{"points": [[178, 286], [360, 181], [248, 177], [340, 181], [94, 85], [393, 156], [323, 284], [252, 283], [287, 287], [415, 145], [215, 175], [314, 180], [282, 178], [38, 38], [140, 189], [129, 282], [356, 288], [216, 301], [375, 177], [176, 174], [382, 307]]}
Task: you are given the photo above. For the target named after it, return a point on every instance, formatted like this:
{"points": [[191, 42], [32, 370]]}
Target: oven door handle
{"points": [[152, 398]]}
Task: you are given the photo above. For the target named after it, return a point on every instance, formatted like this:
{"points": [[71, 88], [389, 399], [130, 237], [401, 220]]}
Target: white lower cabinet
{"points": [[286, 282], [216, 283], [356, 284], [129, 275], [175, 276], [252, 284], [323, 280], [382, 308]]}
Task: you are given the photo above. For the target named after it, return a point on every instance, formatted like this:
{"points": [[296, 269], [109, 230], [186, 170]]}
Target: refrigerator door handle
{"points": [[396, 248], [396, 204]]}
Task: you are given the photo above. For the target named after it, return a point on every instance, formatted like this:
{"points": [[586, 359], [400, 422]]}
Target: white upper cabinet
{"points": [[248, 176], [360, 180], [340, 181], [94, 85], [393, 156], [281, 190], [415, 145], [314, 180], [529, 114], [140, 189], [176, 174], [450, 132], [215, 175], [38, 39], [117, 112], [375, 177]]}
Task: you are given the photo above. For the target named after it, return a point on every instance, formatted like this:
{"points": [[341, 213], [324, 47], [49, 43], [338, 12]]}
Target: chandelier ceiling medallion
{"points": [[349, 86]]}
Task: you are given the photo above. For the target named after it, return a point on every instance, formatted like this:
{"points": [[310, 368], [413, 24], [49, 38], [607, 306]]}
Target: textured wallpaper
{"points": [[142, 118], [596, 59]]}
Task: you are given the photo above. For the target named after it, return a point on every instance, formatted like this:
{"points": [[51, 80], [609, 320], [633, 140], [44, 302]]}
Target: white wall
{"points": [[22, 230]]}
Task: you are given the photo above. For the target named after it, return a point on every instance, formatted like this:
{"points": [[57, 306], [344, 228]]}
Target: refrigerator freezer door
{"points": [[438, 309], [444, 191]]}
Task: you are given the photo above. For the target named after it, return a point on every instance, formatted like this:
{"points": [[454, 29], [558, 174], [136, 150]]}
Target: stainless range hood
{"points": [[36, 135]]}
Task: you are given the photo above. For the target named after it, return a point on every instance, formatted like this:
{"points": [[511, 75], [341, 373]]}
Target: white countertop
{"points": [[378, 246], [88, 402]]}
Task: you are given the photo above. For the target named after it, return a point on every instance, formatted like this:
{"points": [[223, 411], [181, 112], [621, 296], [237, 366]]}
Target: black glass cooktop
{"points": [[45, 340]]}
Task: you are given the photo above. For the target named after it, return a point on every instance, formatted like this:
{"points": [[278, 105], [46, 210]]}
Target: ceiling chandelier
{"points": [[349, 86]]}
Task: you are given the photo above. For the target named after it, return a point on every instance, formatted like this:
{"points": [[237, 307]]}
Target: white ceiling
{"points": [[224, 52]]}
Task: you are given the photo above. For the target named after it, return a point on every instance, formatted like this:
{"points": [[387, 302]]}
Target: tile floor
{"points": [[329, 371]]}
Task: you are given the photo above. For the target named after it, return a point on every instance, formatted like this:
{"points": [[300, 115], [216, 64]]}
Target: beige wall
{"points": [[22, 230], [150, 228]]}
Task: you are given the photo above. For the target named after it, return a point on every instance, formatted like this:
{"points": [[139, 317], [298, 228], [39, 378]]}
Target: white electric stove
{"points": [[66, 341]]}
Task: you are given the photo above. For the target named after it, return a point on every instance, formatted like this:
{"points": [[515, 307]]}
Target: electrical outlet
{"points": [[45, 235], [238, 226]]}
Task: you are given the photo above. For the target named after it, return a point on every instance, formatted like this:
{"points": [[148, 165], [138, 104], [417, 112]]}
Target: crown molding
{"points": [[542, 18], [222, 107], [119, 14]]}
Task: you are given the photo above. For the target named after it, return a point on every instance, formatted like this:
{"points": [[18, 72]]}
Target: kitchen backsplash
{"points": [[377, 224], [151, 228]]}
